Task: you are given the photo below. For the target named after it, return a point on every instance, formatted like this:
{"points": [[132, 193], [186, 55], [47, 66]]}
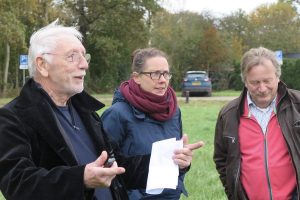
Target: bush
{"points": [[289, 73]]}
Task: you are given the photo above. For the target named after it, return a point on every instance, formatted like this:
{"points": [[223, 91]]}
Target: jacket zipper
{"points": [[232, 139], [237, 181], [266, 165]]}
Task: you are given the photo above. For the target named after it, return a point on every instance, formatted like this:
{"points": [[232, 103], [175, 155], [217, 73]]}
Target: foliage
{"points": [[18, 20], [212, 50], [179, 35], [289, 69], [112, 29], [275, 26], [235, 80]]}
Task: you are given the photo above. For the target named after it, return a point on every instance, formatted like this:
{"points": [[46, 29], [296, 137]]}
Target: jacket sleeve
{"points": [[220, 153], [137, 168], [113, 125], [136, 174], [21, 178]]}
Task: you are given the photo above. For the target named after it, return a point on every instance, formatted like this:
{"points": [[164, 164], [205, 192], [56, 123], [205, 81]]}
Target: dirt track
{"points": [[207, 98]]}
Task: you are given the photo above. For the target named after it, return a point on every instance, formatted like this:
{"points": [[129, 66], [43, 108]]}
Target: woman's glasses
{"points": [[157, 74]]}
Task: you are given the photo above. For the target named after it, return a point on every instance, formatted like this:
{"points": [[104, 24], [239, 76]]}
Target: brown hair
{"points": [[140, 56]]}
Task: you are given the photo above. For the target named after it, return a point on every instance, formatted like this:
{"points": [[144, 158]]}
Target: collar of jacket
{"points": [[34, 105], [31, 89]]}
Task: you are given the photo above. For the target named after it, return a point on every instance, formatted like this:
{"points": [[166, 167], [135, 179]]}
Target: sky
{"points": [[216, 7]]}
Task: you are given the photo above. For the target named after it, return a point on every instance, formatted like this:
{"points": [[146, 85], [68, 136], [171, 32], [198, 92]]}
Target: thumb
{"points": [[101, 159], [185, 139]]}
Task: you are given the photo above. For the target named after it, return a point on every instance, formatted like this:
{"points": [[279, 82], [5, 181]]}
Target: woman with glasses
{"points": [[145, 110]]}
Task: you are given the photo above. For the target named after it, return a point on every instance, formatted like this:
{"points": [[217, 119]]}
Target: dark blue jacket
{"points": [[134, 132]]}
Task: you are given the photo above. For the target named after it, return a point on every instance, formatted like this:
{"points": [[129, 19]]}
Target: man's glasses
{"points": [[157, 74], [74, 58]]}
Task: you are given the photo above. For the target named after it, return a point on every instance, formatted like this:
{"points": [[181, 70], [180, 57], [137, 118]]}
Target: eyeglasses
{"points": [[74, 58], [157, 74]]}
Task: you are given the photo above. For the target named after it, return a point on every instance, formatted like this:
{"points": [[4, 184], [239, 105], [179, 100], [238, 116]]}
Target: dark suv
{"points": [[196, 82]]}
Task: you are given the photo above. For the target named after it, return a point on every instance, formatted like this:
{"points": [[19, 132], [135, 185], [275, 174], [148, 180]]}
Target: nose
{"points": [[83, 63], [262, 87]]}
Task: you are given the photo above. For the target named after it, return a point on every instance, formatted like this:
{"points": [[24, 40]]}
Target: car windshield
{"points": [[193, 76]]}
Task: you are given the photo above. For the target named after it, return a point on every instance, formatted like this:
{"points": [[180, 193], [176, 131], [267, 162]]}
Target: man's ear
{"points": [[136, 77], [42, 66]]}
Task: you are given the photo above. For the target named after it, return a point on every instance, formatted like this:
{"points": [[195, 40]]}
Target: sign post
{"points": [[23, 65]]}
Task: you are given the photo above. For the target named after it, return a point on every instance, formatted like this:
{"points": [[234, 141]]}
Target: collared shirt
{"points": [[262, 115]]}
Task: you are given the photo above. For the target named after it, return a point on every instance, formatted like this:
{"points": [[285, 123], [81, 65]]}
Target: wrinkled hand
{"points": [[183, 157], [96, 175]]}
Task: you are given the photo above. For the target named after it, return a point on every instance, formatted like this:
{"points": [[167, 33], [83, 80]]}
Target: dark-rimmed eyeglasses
{"points": [[74, 58], [157, 74]]}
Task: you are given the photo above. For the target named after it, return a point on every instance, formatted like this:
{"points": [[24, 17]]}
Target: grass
{"points": [[199, 118], [226, 93], [202, 182]]}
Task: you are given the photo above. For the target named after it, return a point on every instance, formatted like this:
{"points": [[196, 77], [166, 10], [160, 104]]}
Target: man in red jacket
{"points": [[256, 140]]}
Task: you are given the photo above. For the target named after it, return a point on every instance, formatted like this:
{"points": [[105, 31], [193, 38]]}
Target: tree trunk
{"points": [[6, 67], [17, 78]]}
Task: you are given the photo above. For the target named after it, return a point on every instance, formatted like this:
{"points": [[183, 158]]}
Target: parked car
{"points": [[196, 82]]}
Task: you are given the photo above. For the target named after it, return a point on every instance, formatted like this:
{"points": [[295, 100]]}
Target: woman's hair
{"points": [[140, 56], [258, 56], [46, 39]]}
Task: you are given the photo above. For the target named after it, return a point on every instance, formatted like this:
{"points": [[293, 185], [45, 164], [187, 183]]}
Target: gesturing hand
{"points": [[96, 175], [183, 157]]}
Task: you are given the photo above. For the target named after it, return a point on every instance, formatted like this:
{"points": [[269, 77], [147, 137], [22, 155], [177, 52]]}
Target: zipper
{"points": [[231, 137], [237, 178], [267, 166]]}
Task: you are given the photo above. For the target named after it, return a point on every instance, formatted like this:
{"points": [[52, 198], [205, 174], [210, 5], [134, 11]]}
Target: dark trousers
{"points": [[295, 195]]}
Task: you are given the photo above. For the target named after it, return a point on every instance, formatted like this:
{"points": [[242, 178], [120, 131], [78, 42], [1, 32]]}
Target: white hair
{"points": [[45, 40]]}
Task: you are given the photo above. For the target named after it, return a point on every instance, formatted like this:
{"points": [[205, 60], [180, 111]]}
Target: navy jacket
{"points": [[134, 132], [35, 160]]}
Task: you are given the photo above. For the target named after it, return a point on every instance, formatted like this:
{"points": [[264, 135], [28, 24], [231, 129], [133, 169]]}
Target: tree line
{"points": [[113, 29]]}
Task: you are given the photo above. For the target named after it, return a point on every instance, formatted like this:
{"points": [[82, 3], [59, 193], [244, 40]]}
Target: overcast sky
{"points": [[217, 7]]}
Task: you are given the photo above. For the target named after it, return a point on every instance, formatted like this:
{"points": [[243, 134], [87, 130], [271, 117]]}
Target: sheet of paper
{"points": [[163, 172]]}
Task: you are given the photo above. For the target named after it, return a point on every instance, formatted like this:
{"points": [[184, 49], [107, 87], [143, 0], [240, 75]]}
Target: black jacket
{"points": [[227, 152], [35, 160]]}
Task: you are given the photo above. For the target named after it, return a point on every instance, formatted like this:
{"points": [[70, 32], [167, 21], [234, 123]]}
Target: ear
{"points": [[41, 66], [136, 77], [245, 84]]}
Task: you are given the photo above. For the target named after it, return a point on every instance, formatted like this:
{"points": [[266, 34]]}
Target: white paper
{"points": [[163, 172]]}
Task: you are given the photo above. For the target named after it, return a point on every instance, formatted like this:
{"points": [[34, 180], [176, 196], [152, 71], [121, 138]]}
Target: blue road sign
{"points": [[279, 56], [23, 61]]}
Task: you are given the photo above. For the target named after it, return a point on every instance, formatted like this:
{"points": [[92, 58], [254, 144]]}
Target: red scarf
{"points": [[160, 108]]}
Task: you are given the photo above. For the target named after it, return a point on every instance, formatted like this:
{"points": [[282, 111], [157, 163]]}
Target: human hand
{"points": [[96, 175], [183, 157]]}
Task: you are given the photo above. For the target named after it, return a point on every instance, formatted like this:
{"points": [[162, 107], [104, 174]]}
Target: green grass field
{"points": [[202, 182], [199, 117]]}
